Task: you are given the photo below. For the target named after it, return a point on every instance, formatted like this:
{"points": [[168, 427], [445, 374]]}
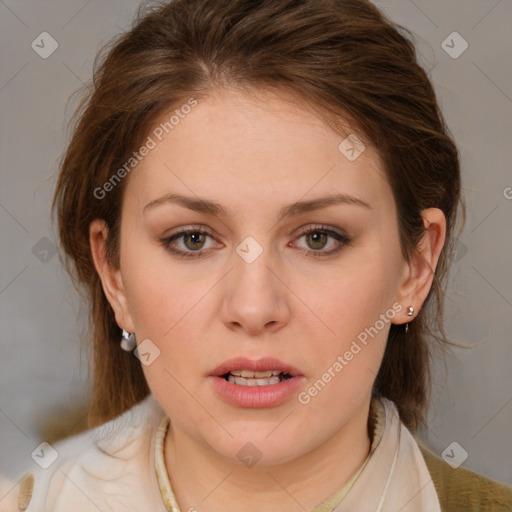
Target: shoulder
{"points": [[462, 489], [108, 465]]}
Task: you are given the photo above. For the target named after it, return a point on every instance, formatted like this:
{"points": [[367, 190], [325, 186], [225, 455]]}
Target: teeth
{"points": [[250, 378], [242, 381], [248, 374]]}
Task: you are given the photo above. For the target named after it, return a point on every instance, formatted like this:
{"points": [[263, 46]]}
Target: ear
{"points": [[418, 273], [111, 278]]}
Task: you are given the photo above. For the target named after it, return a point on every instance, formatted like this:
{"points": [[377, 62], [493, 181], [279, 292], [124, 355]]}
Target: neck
{"points": [[204, 480]]}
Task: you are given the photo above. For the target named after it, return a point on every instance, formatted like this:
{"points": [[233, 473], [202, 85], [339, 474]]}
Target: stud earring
{"points": [[410, 312], [128, 341]]}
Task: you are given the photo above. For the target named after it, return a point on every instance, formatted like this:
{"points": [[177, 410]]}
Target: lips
{"points": [[256, 389], [266, 364]]}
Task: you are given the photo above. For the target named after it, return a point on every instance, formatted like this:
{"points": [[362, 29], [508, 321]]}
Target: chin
{"points": [[252, 450]]}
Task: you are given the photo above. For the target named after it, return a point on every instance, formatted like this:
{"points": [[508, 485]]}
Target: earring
{"points": [[410, 312], [128, 341]]}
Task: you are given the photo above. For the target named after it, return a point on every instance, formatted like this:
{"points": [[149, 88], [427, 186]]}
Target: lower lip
{"points": [[256, 396]]}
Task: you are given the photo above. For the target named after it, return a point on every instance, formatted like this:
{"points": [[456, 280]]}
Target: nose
{"points": [[255, 301]]}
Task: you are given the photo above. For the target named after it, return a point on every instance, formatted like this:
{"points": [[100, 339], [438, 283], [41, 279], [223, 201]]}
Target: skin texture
{"points": [[254, 155]]}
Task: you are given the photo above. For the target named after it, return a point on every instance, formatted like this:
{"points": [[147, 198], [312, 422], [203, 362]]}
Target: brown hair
{"points": [[343, 58]]}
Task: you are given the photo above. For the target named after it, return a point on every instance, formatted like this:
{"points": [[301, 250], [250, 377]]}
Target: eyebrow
{"points": [[213, 208]]}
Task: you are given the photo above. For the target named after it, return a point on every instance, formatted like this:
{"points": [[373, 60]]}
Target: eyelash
{"points": [[343, 239]]}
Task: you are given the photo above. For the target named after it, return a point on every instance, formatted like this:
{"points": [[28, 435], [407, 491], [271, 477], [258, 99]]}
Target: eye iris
{"points": [[197, 238], [317, 238]]}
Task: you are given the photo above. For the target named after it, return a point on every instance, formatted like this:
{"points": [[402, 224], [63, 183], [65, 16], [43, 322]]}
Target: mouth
{"points": [[251, 378], [263, 372], [245, 383]]}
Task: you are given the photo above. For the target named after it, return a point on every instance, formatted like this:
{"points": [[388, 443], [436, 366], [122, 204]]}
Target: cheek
{"points": [[160, 293], [356, 316], [354, 295], [169, 311], [167, 308]]}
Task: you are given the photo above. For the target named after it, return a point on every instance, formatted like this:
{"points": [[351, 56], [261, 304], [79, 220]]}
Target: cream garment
{"points": [[396, 477], [112, 468], [109, 468], [393, 478]]}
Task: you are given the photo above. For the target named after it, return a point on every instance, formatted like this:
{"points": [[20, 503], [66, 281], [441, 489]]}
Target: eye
{"points": [[321, 237], [188, 242], [192, 242]]}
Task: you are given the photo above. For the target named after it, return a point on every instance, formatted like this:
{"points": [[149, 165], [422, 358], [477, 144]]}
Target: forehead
{"points": [[254, 150]]}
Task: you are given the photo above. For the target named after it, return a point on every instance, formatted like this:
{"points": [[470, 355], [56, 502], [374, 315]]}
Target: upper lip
{"points": [[261, 365]]}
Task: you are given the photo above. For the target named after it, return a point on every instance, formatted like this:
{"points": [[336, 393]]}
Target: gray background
{"points": [[42, 318]]}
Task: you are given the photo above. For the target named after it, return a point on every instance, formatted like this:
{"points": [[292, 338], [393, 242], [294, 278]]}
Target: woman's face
{"points": [[296, 268]]}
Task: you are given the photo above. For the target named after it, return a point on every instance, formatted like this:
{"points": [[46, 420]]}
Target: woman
{"points": [[261, 197]]}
